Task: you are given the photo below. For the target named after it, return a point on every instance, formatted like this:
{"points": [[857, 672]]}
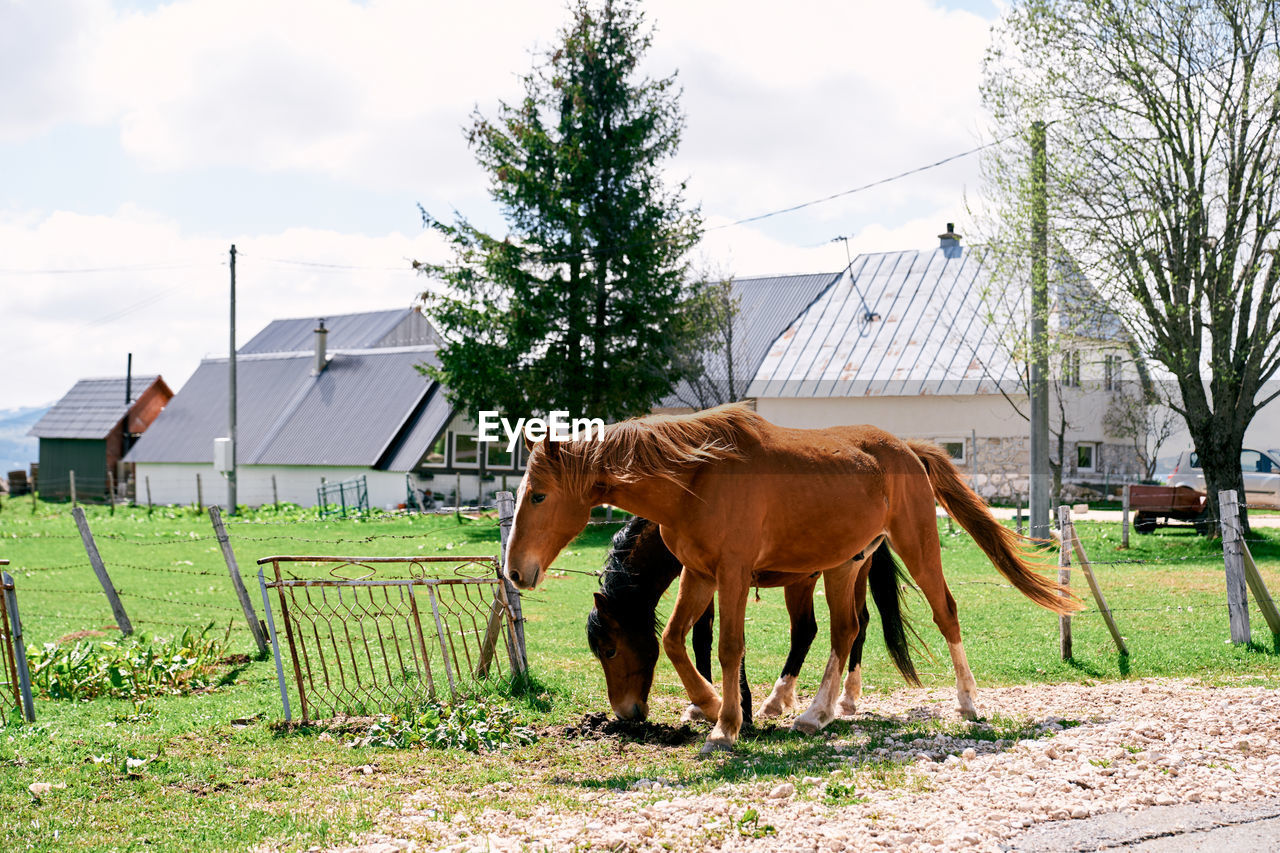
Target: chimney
{"points": [[321, 357], [949, 241]]}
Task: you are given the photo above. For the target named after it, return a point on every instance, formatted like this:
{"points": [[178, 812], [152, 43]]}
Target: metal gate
{"points": [[379, 634], [13, 651], [338, 498]]}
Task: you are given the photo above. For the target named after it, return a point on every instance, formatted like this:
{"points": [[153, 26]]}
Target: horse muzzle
{"points": [[632, 711], [525, 577]]}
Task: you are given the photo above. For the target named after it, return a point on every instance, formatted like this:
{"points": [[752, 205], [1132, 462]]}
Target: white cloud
{"points": [[173, 309]]}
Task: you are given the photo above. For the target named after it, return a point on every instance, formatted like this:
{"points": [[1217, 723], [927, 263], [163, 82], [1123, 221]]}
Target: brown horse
{"points": [[735, 496]]}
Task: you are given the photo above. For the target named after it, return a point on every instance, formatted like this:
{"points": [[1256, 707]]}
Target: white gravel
{"points": [[1141, 743]]}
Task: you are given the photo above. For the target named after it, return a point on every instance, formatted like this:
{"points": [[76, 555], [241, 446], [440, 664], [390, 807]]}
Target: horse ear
{"points": [[601, 602]]}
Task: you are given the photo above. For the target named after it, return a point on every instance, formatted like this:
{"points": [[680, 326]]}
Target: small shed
{"points": [[90, 430]]}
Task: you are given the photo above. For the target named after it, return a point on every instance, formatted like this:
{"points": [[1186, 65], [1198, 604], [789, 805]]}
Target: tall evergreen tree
{"points": [[583, 305]]}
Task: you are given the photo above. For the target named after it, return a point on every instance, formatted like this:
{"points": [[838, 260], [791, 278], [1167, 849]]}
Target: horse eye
{"points": [[537, 498], [611, 654]]}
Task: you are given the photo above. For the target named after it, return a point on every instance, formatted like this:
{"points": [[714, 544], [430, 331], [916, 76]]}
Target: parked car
{"points": [[1259, 468]]}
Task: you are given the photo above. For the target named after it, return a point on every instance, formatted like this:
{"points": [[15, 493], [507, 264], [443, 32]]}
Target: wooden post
{"points": [[275, 492], [1259, 589], [95, 559], [111, 493], [1124, 519], [237, 583], [19, 646], [1083, 560], [1018, 513], [148, 480], [1233, 559], [33, 499], [506, 517], [1064, 578], [72, 472]]}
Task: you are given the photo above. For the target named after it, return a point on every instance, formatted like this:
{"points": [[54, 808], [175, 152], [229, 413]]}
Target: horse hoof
{"points": [[847, 708], [711, 747], [808, 726], [769, 712], [693, 714], [970, 713]]}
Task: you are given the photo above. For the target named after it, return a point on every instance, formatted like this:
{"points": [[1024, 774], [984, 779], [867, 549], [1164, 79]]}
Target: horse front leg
{"points": [[733, 590], [695, 594], [838, 583]]}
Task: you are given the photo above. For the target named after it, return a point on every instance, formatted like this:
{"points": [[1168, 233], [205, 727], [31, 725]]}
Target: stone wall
{"points": [[1001, 469]]}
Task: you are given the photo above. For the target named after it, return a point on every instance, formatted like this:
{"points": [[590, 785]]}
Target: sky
{"points": [[140, 140]]}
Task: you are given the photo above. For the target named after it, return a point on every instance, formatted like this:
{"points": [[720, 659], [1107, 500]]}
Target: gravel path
{"points": [[1140, 744]]}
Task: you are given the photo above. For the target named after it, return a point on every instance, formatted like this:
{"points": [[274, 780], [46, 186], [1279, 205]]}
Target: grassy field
{"points": [[209, 771]]}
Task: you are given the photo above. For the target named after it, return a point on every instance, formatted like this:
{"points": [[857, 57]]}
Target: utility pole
{"points": [[231, 387], [1040, 476]]}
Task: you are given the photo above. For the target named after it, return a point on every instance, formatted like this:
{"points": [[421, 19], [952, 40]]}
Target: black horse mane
{"points": [[637, 571]]}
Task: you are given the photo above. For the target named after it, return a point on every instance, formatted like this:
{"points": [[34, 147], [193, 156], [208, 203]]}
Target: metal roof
{"points": [[918, 323], [766, 307], [357, 412], [934, 333], [395, 327], [91, 409]]}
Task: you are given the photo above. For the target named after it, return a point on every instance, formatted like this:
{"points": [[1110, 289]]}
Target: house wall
{"points": [[175, 483], [60, 456], [1000, 467]]}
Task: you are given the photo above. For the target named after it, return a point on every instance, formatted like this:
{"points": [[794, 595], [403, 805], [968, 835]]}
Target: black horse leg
{"points": [[702, 631], [702, 641], [855, 654]]}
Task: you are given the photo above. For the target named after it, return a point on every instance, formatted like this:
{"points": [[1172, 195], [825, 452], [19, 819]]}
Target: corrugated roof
{"points": [[394, 327], [920, 322], [351, 414], [91, 409], [766, 306]]}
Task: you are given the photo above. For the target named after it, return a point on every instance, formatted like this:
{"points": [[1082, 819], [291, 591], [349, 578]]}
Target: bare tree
{"points": [[715, 369], [1164, 117]]}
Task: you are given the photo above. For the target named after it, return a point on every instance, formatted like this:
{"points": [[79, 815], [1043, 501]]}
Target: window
{"points": [[1253, 462], [1086, 457], [1071, 368], [955, 449], [466, 451], [496, 456], [437, 454], [1111, 372]]}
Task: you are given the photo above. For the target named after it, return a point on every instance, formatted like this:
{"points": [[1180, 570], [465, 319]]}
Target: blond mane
{"points": [[664, 446]]}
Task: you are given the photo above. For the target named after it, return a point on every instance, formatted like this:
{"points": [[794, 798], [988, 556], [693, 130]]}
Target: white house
{"points": [[322, 402]]}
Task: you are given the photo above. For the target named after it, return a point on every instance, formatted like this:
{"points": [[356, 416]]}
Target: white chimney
{"points": [[321, 357]]}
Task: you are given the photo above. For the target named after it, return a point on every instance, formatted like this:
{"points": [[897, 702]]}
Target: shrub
{"points": [[476, 725], [131, 668]]}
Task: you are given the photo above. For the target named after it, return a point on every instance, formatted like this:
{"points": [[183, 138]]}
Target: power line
{"points": [[318, 264], [123, 268]]}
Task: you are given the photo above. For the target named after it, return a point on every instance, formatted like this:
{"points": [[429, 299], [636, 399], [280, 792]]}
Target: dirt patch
{"points": [[86, 634], [235, 660], [601, 726]]}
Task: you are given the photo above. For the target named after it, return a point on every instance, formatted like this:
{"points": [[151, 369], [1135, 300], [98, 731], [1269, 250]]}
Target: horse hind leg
{"points": [[702, 632], [848, 705], [844, 627], [804, 627], [914, 536]]}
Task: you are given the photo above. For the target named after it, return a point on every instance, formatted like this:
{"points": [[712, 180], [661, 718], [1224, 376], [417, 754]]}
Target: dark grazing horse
{"points": [[622, 629]]}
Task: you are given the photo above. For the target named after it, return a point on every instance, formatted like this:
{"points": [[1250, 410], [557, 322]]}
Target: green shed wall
{"points": [[60, 456]]}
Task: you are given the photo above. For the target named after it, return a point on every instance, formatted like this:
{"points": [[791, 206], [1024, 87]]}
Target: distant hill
{"points": [[17, 449]]}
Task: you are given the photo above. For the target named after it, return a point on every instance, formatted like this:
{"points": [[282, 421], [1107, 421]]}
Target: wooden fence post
{"points": [[199, 493], [111, 493], [19, 646], [95, 560], [1064, 578], [1124, 520], [1083, 559], [148, 479], [506, 516], [1017, 514], [237, 582], [72, 474], [1233, 560], [275, 493], [1259, 589]]}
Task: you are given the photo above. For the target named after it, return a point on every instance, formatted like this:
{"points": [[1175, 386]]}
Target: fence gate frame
{"points": [[357, 489], [13, 650], [428, 631]]}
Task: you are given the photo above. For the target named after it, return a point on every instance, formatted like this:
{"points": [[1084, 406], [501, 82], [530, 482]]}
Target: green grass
{"points": [[218, 775]]}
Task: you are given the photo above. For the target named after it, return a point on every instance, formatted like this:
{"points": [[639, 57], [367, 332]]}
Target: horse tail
{"points": [[887, 579], [1006, 549]]}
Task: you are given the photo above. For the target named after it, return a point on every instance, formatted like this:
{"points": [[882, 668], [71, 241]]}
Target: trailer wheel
{"points": [[1145, 522]]}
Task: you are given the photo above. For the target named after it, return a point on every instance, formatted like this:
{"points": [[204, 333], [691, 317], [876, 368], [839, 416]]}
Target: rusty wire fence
{"points": [[369, 635]]}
